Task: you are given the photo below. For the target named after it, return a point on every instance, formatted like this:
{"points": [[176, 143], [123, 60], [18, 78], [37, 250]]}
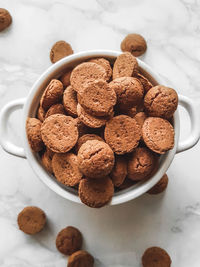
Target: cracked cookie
{"points": [[135, 44], [41, 114], [80, 258], [84, 138], [156, 257], [147, 85], [70, 101]]}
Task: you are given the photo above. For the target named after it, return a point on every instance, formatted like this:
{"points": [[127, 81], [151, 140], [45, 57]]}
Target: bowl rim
{"points": [[33, 159]]}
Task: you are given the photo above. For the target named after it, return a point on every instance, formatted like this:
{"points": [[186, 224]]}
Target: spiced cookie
{"points": [[65, 78], [96, 193], [41, 114], [65, 168], [147, 85], [160, 186], [59, 133], [60, 50], [52, 94], [80, 258], [84, 72], [125, 66], [105, 64], [122, 133], [156, 257], [140, 117], [33, 131], [70, 101], [95, 159], [47, 160], [55, 109], [31, 220], [158, 134], [134, 43], [5, 19], [161, 101], [82, 128], [119, 172], [84, 138], [69, 240], [98, 98]]}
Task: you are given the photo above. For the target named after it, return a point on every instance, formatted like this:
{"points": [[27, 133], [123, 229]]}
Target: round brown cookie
{"points": [[98, 98], [147, 85], [134, 43], [126, 184], [41, 114], [82, 128], [47, 160], [140, 164], [80, 258], [33, 131], [90, 120], [131, 112], [105, 64], [96, 193], [119, 172], [125, 66], [140, 118], [156, 257], [65, 168], [55, 109], [59, 133], [160, 186], [84, 72], [59, 50], [31, 220], [95, 159], [5, 19], [52, 94], [158, 134], [65, 78], [129, 91], [70, 101], [161, 101], [122, 133], [84, 138], [69, 240]]}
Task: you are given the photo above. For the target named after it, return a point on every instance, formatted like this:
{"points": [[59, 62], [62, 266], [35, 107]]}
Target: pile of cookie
{"points": [[101, 128]]}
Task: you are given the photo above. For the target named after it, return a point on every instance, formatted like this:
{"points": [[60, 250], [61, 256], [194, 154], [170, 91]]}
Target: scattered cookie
{"points": [[119, 172], [41, 114], [158, 134], [160, 186], [140, 117], [59, 133], [96, 193], [55, 109], [123, 134], [84, 138], [33, 130], [147, 85], [52, 94], [105, 64], [31, 220], [161, 101], [80, 258], [95, 159], [70, 101], [5, 19], [69, 240], [47, 160], [135, 44], [65, 78], [156, 257], [60, 50]]}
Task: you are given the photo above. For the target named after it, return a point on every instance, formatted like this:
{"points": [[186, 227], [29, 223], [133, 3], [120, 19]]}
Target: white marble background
{"points": [[116, 236]]}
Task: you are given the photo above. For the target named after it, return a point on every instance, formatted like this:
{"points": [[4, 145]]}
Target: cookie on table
{"points": [[122, 133], [160, 186], [161, 101], [134, 43], [156, 257], [31, 220], [80, 258], [69, 240], [59, 133], [5, 19], [119, 171], [55, 109], [96, 193], [52, 94], [65, 78], [70, 101], [125, 65], [33, 131], [140, 117], [41, 114], [105, 64], [158, 134], [66, 169], [47, 160], [84, 138], [95, 159], [147, 85], [60, 50]]}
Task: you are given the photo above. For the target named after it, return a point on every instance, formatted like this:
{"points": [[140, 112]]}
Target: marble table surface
{"points": [[118, 235]]}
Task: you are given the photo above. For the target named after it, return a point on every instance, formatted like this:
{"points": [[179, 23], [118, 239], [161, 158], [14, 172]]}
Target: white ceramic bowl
{"points": [[30, 105]]}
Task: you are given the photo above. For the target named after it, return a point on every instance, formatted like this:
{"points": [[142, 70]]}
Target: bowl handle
{"points": [[189, 105], [4, 115]]}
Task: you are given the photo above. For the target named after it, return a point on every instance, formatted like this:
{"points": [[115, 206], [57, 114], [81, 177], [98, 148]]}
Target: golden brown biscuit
{"points": [[65, 168], [160, 186], [125, 66], [5, 19], [96, 193], [31, 220], [55, 109], [140, 117], [134, 43], [70, 101], [52, 94], [119, 172], [60, 50], [84, 138], [147, 85], [65, 78], [47, 160], [41, 114], [161, 101], [105, 64], [59, 133], [98, 98], [33, 130], [156, 257], [95, 159], [122, 133], [80, 258], [158, 134], [69, 240]]}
